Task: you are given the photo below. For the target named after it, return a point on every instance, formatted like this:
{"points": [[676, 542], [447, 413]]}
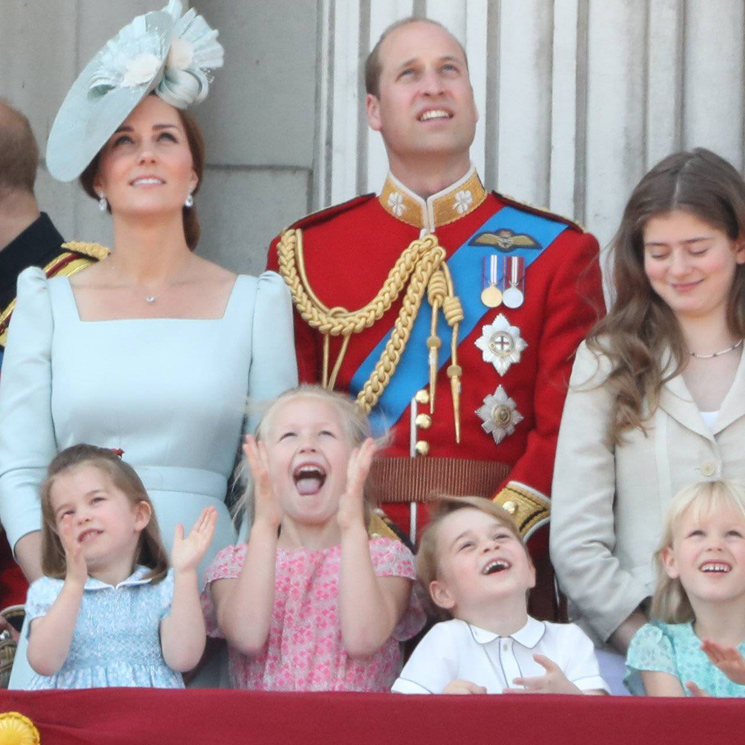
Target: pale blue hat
{"points": [[161, 51]]}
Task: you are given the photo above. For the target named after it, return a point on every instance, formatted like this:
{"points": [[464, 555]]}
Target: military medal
{"points": [[501, 344], [499, 415], [514, 274], [491, 295]]}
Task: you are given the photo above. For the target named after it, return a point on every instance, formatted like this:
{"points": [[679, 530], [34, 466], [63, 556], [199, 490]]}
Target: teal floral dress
{"points": [[674, 648]]}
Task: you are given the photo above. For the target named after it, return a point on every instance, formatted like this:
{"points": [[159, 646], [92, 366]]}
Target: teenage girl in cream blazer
{"points": [[657, 395]]}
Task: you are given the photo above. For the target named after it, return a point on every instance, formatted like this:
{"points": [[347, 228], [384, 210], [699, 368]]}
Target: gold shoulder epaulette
{"points": [[93, 250], [77, 256], [542, 211]]}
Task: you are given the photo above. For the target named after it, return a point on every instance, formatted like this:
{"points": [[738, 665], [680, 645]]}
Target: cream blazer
{"points": [[608, 503]]}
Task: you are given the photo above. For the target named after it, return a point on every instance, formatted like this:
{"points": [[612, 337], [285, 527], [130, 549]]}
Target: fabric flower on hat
{"points": [[194, 51], [141, 70], [131, 59]]}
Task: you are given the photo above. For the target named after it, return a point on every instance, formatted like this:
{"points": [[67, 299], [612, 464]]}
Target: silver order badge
{"points": [[499, 415], [501, 344]]}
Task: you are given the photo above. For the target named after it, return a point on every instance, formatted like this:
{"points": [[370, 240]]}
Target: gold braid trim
{"points": [[420, 267], [529, 507]]}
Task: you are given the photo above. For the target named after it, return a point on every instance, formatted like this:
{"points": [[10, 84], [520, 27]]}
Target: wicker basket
{"points": [[8, 645]]}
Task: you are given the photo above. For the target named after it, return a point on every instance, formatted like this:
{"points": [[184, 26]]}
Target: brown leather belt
{"points": [[405, 480]]}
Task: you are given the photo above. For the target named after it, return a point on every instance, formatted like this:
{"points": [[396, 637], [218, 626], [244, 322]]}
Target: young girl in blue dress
{"points": [[696, 643], [109, 611]]}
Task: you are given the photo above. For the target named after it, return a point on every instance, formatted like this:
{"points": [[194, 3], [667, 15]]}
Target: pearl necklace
{"points": [[715, 354]]}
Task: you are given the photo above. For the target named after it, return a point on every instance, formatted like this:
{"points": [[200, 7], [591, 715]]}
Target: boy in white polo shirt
{"points": [[474, 564]]}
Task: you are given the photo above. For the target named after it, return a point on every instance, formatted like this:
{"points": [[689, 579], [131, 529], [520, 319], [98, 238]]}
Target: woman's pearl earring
{"points": [[189, 202], [102, 203]]}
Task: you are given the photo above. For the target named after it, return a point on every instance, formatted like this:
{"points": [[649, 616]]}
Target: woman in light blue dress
{"points": [[154, 350]]}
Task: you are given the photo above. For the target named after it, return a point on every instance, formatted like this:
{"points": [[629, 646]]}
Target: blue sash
{"points": [[465, 266]]}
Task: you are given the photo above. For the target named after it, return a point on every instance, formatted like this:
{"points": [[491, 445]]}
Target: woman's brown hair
{"points": [[150, 551], [641, 330], [194, 137]]}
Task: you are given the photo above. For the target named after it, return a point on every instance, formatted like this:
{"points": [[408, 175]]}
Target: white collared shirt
{"points": [[458, 650]]}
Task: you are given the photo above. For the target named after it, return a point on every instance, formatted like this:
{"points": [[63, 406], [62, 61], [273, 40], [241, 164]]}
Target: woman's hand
{"points": [[463, 687], [352, 502], [554, 681], [76, 568], [188, 552], [267, 507], [727, 659]]}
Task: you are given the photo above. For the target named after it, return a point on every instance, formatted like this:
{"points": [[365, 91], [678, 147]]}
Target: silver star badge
{"points": [[501, 344], [499, 415]]}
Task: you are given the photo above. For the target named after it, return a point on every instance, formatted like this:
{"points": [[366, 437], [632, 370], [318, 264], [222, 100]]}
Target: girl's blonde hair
{"points": [[670, 603], [150, 550], [355, 423], [427, 558]]}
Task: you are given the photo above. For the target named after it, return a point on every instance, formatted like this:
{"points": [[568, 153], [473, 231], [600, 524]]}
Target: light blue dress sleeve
{"points": [[273, 363], [651, 649], [27, 438], [41, 596]]}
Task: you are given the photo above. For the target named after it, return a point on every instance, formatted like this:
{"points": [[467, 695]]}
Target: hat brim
{"points": [[87, 119]]}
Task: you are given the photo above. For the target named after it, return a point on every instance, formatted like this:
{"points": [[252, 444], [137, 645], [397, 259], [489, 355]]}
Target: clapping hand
{"points": [[727, 659], [76, 568], [188, 551], [554, 681], [352, 502], [267, 507], [696, 692]]}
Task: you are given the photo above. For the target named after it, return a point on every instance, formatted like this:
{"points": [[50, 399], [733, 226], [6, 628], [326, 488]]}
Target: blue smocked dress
{"points": [[674, 648], [117, 635]]}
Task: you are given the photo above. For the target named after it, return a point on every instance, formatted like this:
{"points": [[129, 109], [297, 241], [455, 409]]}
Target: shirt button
{"points": [[708, 469]]}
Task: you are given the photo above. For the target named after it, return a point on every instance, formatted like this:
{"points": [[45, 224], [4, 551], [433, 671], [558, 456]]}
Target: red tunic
{"points": [[349, 250]]}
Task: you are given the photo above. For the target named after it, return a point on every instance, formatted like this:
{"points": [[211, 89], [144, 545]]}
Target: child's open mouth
{"points": [[498, 565], [716, 567], [309, 478], [88, 534]]}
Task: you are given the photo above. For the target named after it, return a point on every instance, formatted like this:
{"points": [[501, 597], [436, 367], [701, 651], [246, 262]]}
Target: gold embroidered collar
{"points": [[448, 205]]}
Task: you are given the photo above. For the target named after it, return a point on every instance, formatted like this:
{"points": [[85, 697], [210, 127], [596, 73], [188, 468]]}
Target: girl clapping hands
{"points": [[108, 611], [312, 602]]}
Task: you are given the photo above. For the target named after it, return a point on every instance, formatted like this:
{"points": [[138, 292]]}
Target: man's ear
{"points": [[668, 561], [372, 105], [143, 513], [440, 595]]}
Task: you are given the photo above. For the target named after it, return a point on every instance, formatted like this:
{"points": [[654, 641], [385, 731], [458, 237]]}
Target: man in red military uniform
{"points": [[473, 397]]}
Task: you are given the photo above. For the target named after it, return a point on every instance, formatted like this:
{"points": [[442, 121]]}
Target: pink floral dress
{"points": [[304, 651]]}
